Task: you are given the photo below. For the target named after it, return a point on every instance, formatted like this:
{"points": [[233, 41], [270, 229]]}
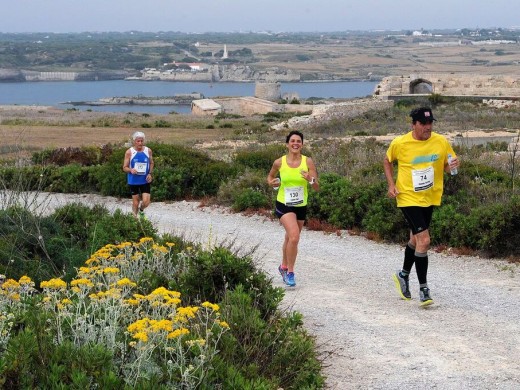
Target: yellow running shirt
{"points": [[420, 173], [293, 189]]}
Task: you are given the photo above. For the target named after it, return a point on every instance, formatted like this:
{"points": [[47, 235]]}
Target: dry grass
{"points": [[357, 57], [30, 130]]}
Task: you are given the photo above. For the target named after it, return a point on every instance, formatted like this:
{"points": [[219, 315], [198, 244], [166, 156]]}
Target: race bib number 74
{"points": [[422, 179]]}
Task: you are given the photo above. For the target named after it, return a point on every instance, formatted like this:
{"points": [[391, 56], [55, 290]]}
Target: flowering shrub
{"points": [[114, 326], [13, 295], [149, 336]]}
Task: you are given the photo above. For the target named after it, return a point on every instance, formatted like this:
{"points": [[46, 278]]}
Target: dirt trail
{"points": [[370, 339]]}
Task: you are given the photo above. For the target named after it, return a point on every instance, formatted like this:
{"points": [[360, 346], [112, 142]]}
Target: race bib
{"points": [[140, 167], [422, 179], [293, 196]]}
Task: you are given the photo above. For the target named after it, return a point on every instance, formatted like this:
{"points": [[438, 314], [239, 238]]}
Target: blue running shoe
{"points": [[289, 280], [283, 272]]}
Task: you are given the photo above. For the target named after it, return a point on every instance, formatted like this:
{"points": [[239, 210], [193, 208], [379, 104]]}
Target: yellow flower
{"points": [[83, 282], [53, 284], [183, 313], [138, 325], [26, 281], [172, 302], [66, 301], [124, 245], [14, 296], [159, 248], [170, 244], [84, 270], [223, 324], [113, 293], [199, 342], [177, 332], [141, 336], [11, 284], [212, 306], [126, 282], [111, 270], [91, 261], [165, 325], [132, 302]]}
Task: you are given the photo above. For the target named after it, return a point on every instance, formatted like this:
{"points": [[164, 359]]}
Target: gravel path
{"points": [[369, 338]]}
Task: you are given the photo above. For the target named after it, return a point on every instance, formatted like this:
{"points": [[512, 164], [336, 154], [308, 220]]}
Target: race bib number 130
{"points": [[293, 196]]}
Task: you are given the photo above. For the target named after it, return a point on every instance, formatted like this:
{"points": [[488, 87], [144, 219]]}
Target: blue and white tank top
{"points": [[140, 160]]}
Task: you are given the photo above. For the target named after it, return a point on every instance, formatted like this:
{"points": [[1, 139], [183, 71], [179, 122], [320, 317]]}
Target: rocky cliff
{"points": [[230, 73]]}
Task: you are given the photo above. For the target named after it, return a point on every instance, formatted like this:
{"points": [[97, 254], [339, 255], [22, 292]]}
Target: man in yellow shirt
{"points": [[422, 158]]}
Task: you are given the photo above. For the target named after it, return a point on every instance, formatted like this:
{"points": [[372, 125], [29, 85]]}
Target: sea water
{"points": [[57, 93]]}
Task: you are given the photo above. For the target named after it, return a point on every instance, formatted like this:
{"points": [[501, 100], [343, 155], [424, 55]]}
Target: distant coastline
{"points": [[178, 99], [222, 73]]}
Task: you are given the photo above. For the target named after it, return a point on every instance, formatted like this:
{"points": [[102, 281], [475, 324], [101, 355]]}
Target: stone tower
{"points": [[268, 91], [225, 54]]}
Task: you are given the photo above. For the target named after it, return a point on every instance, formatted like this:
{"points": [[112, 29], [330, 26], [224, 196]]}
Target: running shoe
{"points": [[424, 294], [290, 279], [401, 284], [283, 272]]}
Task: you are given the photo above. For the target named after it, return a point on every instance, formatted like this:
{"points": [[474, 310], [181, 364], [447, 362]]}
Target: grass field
{"points": [[379, 56]]}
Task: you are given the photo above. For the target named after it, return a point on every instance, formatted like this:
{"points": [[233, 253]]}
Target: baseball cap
{"points": [[423, 115]]}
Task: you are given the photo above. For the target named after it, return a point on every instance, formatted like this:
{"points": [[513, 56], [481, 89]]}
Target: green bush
{"points": [[262, 349], [334, 203], [250, 199], [249, 190], [492, 229], [72, 178], [261, 159], [59, 243]]}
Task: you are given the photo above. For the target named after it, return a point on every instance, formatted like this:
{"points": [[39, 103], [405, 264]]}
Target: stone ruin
{"points": [[268, 91], [448, 84]]}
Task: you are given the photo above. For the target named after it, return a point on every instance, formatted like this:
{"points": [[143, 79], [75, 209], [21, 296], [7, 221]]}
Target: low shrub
{"points": [[249, 190], [261, 159], [97, 332]]}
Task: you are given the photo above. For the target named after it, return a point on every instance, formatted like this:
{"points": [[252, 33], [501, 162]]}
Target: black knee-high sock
{"points": [[421, 266], [409, 259]]}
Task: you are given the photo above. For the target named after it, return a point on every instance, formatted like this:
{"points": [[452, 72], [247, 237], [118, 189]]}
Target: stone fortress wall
{"points": [[447, 84], [215, 73]]}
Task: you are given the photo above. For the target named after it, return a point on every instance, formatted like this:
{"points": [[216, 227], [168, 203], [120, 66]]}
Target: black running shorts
{"points": [[282, 209], [139, 189], [418, 218]]}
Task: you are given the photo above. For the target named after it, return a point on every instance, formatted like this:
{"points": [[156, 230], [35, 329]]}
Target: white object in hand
{"points": [[453, 171], [276, 181]]}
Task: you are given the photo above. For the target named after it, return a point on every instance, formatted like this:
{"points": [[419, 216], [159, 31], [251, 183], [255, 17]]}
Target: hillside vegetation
{"points": [[347, 55], [480, 205]]}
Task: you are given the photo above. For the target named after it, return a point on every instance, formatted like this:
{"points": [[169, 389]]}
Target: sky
{"points": [[197, 16]]}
